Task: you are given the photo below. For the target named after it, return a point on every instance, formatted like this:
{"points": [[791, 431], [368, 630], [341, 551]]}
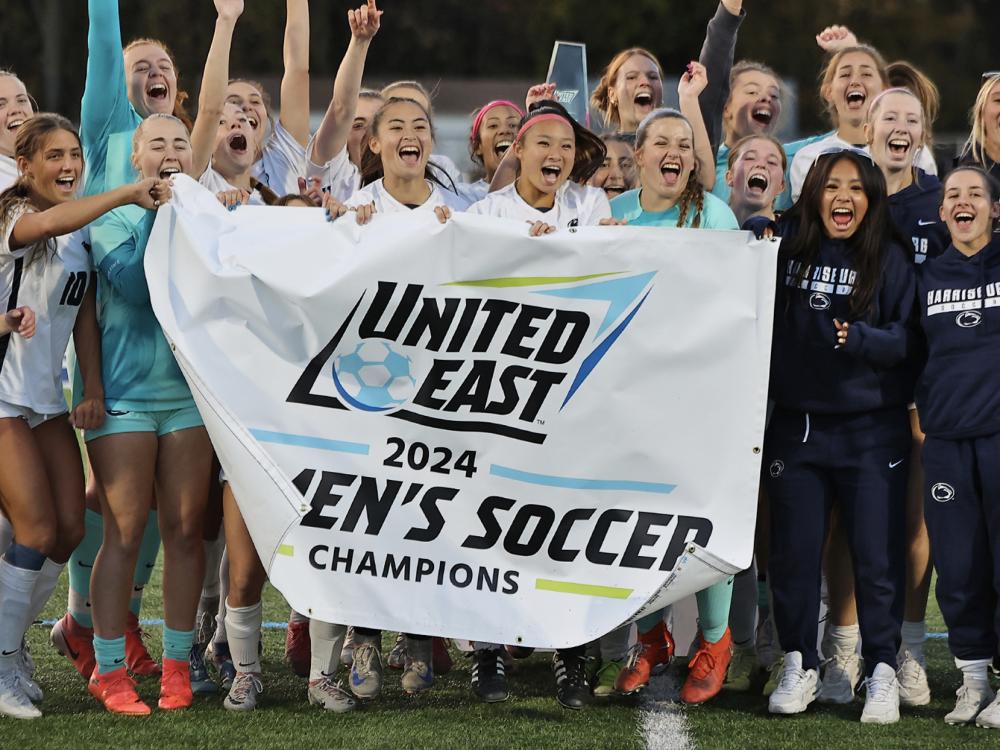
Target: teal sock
{"points": [[763, 598], [713, 609], [110, 653], [647, 622], [81, 564], [177, 643], [144, 564]]}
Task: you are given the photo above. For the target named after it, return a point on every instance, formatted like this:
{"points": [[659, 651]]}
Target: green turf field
{"points": [[450, 717]]}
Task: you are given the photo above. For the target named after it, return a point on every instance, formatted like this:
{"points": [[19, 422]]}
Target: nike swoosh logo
{"points": [[82, 564], [72, 654], [120, 661], [248, 664], [356, 679], [922, 223], [150, 566], [8, 653], [138, 589], [894, 464]]}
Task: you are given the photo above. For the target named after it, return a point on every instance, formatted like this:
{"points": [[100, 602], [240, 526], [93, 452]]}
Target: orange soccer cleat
{"points": [[76, 643], [175, 685], [137, 658], [298, 647], [116, 690], [440, 657], [707, 670], [653, 650]]}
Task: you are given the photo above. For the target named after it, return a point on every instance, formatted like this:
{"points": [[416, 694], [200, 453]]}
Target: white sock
{"points": [[243, 626], [974, 672], [844, 639], [613, 645], [294, 616], [327, 641], [914, 634], [220, 618], [16, 585], [47, 579], [211, 583], [6, 533]]}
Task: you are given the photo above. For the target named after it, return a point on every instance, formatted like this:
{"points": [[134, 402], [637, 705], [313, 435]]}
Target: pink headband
{"points": [[482, 113], [541, 118]]}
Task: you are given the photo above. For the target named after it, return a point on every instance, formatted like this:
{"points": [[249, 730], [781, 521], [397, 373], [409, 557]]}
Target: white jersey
{"points": [[386, 204], [807, 155], [8, 172], [338, 177], [282, 163], [474, 191], [218, 184], [53, 286], [575, 206], [446, 170]]}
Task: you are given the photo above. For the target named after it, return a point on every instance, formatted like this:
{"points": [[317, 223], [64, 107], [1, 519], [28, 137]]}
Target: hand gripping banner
{"points": [[461, 430]]}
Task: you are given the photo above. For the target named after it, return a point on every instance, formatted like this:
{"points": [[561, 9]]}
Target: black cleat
{"points": [[489, 678]]}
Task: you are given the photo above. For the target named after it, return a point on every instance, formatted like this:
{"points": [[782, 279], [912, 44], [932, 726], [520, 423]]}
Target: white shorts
{"points": [[32, 417]]}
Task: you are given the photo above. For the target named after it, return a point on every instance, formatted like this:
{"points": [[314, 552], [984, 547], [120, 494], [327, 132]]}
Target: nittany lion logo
{"points": [[777, 467], [942, 492], [819, 301], [969, 319]]}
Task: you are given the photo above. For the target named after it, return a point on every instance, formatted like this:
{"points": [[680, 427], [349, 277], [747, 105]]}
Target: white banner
{"points": [[461, 430]]}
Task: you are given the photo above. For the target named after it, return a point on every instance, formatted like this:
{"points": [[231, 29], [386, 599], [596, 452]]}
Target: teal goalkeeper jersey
{"points": [[107, 118], [139, 369]]}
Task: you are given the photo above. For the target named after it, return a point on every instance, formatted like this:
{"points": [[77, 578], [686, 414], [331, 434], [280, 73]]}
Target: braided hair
{"points": [[694, 191]]}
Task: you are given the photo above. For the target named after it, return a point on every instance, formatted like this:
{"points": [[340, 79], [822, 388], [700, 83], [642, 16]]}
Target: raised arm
{"points": [[717, 55], [294, 115], [212, 96], [335, 128], [691, 84]]}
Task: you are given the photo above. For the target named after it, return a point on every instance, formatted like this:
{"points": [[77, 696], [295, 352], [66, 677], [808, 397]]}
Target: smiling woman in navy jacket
{"points": [[958, 396], [840, 435]]}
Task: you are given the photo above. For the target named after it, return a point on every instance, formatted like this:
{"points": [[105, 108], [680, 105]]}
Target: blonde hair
{"points": [[830, 69], [976, 144], [601, 98], [877, 104], [182, 96]]}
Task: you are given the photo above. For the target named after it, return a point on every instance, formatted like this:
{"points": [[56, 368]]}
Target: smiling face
{"points": [[496, 135], [666, 158], [15, 109], [757, 177], [53, 171], [855, 82], [895, 131], [547, 152], [637, 91], [403, 141], [163, 149], [250, 100], [235, 147], [754, 105], [366, 109], [844, 203], [152, 81], [968, 209], [617, 173]]}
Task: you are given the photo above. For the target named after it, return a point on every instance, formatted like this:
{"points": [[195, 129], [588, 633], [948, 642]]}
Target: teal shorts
{"points": [[161, 422]]}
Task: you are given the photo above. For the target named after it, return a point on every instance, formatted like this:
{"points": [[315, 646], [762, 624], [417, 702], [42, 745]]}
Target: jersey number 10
{"points": [[76, 287]]}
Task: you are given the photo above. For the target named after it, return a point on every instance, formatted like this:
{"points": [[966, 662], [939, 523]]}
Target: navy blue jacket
{"points": [[915, 213], [958, 394], [874, 368]]}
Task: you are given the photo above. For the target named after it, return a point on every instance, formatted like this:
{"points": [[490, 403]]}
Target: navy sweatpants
{"points": [[962, 510], [859, 463]]}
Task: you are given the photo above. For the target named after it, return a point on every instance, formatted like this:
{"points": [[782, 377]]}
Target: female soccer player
{"points": [[494, 126], [45, 263], [755, 175], [15, 109], [983, 145], [839, 436], [957, 398], [617, 174]]}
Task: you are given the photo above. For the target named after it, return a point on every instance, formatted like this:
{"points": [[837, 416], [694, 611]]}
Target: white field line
{"points": [[661, 714]]}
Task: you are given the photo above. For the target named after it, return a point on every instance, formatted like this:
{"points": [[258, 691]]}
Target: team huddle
{"points": [[881, 452]]}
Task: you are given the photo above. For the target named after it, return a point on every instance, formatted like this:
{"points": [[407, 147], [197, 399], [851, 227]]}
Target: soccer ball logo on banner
{"points": [[374, 376]]}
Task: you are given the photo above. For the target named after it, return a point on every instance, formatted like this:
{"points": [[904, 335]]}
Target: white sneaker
{"points": [[797, 687], [989, 717], [13, 701], [840, 678], [243, 694], [331, 696], [912, 676], [971, 700], [25, 668], [882, 699]]}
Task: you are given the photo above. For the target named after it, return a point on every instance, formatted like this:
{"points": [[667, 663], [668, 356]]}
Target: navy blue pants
{"points": [[962, 510], [858, 463]]}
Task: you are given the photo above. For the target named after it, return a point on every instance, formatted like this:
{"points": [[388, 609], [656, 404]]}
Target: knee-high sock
{"points": [[327, 641], [16, 585], [220, 618], [48, 577], [243, 627], [6, 533], [144, 564], [615, 644], [81, 564], [713, 609], [743, 612]]}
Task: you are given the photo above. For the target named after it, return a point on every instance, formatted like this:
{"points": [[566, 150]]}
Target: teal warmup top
{"points": [[714, 215], [138, 367], [107, 118], [784, 201]]}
